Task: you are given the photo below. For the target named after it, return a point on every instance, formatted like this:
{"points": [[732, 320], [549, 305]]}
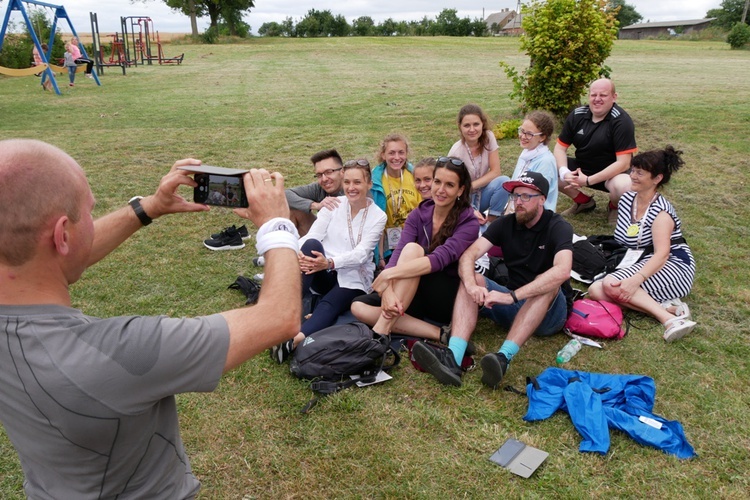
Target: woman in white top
{"points": [[478, 149], [533, 136], [336, 255]]}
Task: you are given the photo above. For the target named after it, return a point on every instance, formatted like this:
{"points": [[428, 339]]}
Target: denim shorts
{"points": [[504, 316]]}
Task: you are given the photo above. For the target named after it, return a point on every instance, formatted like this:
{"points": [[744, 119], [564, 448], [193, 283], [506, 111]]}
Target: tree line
{"points": [[322, 23]]}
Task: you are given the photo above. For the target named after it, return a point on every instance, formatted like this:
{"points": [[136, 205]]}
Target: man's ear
{"points": [[61, 236]]}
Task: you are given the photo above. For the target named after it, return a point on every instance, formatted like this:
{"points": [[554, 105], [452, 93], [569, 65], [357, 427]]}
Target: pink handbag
{"points": [[596, 318]]}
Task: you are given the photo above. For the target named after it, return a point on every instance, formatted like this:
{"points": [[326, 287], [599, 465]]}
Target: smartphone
{"points": [[218, 186]]}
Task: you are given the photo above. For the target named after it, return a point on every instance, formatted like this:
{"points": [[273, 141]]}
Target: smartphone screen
{"points": [[220, 190]]}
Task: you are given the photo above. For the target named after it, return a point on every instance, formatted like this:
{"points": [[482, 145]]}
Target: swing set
{"points": [[48, 70]]}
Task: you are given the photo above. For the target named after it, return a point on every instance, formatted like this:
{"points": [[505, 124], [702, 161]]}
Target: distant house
{"points": [[668, 28], [496, 21], [513, 28]]}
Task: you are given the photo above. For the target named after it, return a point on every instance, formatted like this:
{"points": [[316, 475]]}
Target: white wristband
{"points": [[563, 172], [277, 233]]}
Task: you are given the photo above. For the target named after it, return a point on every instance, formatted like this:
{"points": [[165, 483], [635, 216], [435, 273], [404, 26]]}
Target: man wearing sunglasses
{"points": [[604, 138], [538, 251], [304, 200]]}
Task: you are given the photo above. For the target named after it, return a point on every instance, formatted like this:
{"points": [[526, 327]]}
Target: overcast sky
{"points": [[109, 11]]}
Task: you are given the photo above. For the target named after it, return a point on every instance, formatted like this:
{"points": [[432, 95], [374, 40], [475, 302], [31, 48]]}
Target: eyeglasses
{"points": [[355, 163], [455, 161], [527, 134], [327, 173], [524, 197]]}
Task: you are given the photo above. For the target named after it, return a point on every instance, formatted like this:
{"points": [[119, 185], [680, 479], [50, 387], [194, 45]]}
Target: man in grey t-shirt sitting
{"points": [[87, 402], [304, 200]]}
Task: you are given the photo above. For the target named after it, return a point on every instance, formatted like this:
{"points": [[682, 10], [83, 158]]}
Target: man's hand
{"points": [[498, 298], [477, 293], [265, 198], [166, 200], [576, 179], [329, 202]]}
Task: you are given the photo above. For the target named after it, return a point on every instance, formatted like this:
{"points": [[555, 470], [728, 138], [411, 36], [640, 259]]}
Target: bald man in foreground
{"points": [[88, 403], [604, 139]]}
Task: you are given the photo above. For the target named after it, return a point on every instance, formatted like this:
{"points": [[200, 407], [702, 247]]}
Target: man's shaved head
{"points": [[38, 183]]}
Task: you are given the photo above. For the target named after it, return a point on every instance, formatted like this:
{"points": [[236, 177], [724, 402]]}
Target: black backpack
{"points": [[328, 358], [596, 256]]}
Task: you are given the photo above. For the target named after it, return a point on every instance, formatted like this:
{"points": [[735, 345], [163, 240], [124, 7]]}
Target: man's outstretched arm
{"points": [[111, 230]]}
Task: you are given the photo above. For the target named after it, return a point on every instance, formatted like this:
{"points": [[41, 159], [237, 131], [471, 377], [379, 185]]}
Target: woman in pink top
{"points": [[78, 58], [478, 149]]}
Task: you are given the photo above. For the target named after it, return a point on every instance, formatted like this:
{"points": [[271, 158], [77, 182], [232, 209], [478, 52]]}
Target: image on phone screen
{"points": [[220, 190]]}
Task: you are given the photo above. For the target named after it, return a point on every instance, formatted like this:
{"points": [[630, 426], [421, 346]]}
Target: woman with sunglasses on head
{"points": [[421, 280], [394, 191], [336, 255], [478, 150], [534, 135], [664, 267]]}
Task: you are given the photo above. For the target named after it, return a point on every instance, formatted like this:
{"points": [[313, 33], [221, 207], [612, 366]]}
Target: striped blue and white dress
{"points": [[675, 278]]}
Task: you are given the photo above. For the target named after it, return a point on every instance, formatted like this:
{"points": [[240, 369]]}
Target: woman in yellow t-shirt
{"points": [[393, 190]]}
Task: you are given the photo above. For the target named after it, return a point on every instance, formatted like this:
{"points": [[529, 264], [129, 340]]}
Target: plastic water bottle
{"points": [[568, 351]]}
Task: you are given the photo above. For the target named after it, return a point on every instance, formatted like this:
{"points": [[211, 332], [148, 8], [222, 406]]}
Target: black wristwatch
{"points": [[135, 202], [513, 296]]}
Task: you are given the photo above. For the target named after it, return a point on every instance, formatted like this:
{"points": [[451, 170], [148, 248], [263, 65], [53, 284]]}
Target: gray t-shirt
{"points": [[89, 403], [301, 197]]}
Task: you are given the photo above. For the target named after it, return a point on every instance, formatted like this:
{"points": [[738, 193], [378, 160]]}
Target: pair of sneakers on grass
{"points": [[441, 363], [230, 238]]}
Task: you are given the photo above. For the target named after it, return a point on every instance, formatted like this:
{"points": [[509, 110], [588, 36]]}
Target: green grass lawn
{"points": [[272, 103]]}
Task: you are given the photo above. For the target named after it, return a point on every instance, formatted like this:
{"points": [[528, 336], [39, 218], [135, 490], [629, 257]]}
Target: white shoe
{"points": [[678, 328], [681, 309], [259, 276]]}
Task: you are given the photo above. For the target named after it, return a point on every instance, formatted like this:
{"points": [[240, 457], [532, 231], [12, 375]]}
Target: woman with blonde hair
{"points": [[394, 191]]}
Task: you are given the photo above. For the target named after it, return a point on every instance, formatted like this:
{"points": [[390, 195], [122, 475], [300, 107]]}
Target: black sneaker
{"points": [[494, 365], [445, 337], [438, 362], [242, 230], [229, 239], [281, 352]]}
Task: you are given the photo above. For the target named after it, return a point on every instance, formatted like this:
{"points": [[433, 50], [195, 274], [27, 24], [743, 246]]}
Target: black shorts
{"points": [[599, 186], [433, 301]]}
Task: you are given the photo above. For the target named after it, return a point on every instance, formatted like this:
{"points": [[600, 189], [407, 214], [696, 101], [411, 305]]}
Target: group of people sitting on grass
{"points": [[88, 402], [396, 245]]}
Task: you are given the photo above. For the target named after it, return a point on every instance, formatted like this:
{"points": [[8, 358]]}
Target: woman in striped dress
{"points": [[662, 268]]}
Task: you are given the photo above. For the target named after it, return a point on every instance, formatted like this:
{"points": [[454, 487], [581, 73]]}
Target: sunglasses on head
{"points": [[447, 159], [355, 163]]}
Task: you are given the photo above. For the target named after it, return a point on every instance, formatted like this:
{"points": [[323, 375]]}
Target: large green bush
{"points": [[567, 42], [739, 35]]}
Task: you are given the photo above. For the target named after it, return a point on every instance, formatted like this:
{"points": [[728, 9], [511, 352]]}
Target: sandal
{"points": [[678, 327], [681, 309]]}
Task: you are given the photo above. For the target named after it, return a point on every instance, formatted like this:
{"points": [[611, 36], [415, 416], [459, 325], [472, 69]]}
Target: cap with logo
{"points": [[532, 180]]}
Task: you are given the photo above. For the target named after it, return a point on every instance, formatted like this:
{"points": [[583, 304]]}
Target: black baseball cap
{"points": [[533, 180]]}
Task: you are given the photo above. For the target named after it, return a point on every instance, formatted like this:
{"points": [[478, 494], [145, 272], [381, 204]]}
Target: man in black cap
{"points": [[538, 251]]}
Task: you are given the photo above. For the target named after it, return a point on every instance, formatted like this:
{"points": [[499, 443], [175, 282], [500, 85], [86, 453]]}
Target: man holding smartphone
{"points": [[88, 402]]}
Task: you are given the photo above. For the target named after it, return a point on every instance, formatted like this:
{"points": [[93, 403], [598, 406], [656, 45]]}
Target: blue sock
{"points": [[509, 349], [458, 348]]}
